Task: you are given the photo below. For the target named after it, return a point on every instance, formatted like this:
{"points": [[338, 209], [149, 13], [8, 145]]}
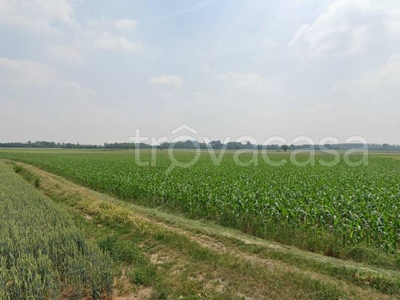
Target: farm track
{"points": [[224, 241]]}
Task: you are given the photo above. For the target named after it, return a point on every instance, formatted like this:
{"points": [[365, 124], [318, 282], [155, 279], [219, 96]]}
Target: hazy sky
{"points": [[93, 71]]}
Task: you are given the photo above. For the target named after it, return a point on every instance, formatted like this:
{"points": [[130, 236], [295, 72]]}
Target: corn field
{"points": [[314, 207], [42, 254]]}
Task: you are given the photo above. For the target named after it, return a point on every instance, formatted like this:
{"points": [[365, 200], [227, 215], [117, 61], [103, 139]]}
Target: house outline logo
{"points": [[185, 127]]}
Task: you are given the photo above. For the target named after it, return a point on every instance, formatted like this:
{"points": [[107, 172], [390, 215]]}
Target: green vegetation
{"points": [[333, 210], [164, 256], [43, 255]]}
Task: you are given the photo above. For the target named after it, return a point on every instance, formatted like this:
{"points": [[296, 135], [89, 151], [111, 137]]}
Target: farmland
{"points": [[323, 209], [43, 254], [158, 252]]}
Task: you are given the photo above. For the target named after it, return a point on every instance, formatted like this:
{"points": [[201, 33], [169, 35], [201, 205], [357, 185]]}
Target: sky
{"points": [[94, 71]]}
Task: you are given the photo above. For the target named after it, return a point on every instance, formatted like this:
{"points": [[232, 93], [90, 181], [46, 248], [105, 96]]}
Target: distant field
{"points": [[45, 150], [324, 209], [395, 155], [43, 254]]}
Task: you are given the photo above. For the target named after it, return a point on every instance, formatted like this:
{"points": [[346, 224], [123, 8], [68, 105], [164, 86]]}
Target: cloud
{"points": [[38, 16], [39, 79], [167, 81], [102, 25], [380, 85], [44, 17], [26, 73], [105, 35], [392, 23], [109, 42], [126, 24], [242, 80], [345, 27], [34, 93], [64, 53], [246, 82]]}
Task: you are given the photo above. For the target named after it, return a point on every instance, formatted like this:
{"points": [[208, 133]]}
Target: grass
{"points": [[170, 256]]}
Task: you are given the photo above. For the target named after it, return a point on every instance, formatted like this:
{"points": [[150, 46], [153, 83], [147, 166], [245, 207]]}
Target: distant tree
{"points": [[216, 144], [285, 147]]}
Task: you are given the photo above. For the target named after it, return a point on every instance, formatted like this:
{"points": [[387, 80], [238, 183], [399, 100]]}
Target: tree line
{"points": [[192, 144]]}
